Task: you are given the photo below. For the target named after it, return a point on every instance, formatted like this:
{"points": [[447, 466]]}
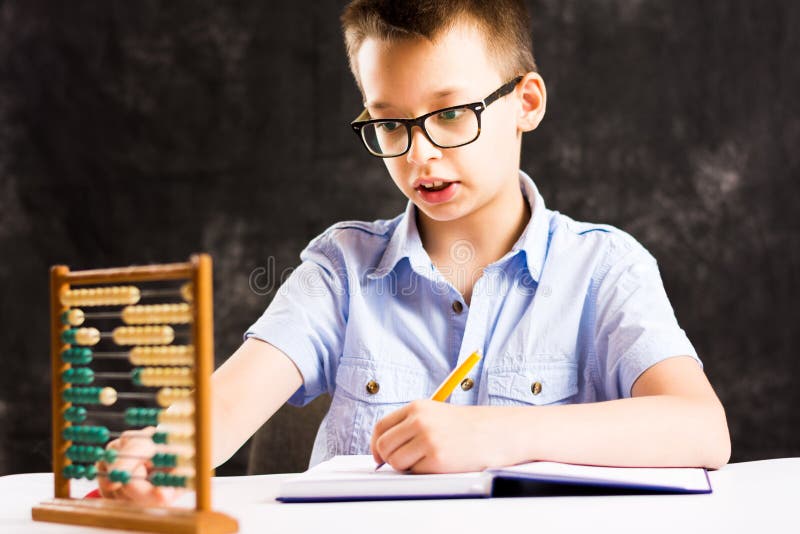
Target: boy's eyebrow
{"points": [[435, 96]]}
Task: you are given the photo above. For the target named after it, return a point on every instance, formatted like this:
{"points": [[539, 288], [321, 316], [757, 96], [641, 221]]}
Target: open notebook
{"points": [[351, 478]]}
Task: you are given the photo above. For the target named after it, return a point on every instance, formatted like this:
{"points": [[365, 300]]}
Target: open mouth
{"points": [[435, 186]]}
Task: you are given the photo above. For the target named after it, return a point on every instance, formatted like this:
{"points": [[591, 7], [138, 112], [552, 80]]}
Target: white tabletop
{"points": [[749, 497]]}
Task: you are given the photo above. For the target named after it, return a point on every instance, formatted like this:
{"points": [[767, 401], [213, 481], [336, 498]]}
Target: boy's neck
{"points": [[491, 231]]}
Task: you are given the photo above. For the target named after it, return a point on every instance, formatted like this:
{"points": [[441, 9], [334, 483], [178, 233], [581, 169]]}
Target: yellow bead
{"points": [[162, 355], [177, 415], [75, 317], [143, 335], [187, 292], [179, 437], [167, 396], [87, 336], [108, 396], [167, 376], [186, 460], [100, 296], [157, 314]]}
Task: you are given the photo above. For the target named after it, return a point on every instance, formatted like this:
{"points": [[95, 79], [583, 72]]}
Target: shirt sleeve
{"points": [[306, 318], [635, 323]]}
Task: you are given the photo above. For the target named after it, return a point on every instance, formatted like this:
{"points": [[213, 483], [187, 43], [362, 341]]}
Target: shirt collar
{"points": [[406, 243]]}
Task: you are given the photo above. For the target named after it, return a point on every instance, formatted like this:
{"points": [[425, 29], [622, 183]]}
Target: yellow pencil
{"points": [[450, 383]]}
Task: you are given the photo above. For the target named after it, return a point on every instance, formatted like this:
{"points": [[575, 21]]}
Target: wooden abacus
{"points": [[175, 369]]}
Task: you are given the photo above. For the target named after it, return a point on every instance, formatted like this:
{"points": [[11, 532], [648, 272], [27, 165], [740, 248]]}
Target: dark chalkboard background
{"points": [[136, 132]]}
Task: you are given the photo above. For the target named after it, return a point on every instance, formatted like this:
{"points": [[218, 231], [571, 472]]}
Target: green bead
{"points": [[75, 453], [110, 456], [162, 459], [79, 471], [68, 336], [160, 437], [136, 376], [119, 476], [86, 434], [78, 375], [79, 395], [91, 472], [142, 416], [75, 414], [77, 355]]}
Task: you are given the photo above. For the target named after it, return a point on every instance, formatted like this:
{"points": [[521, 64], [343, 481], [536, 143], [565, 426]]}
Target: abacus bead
{"points": [[168, 396], [77, 355], [87, 336], [68, 336], [78, 375], [162, 355], [74, 317], [107, 396], [109, 456], [90, 472], [157, 314], [102, 434], [143, 335], [75, 414], [186, 292], [136, 376], [100, 296], [79, 471]]}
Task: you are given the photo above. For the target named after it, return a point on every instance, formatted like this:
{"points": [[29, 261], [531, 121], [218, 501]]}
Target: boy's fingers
{"points": [[390, 420]]}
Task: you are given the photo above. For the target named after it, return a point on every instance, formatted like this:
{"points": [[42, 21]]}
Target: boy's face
{"points": [[408, 78]]}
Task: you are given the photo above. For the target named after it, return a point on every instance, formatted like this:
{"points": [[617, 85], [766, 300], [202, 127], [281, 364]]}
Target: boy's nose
{"points": [[421, 150]]}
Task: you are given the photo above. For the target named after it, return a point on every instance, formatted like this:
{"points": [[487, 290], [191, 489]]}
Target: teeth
{"points": [[436, 183]]}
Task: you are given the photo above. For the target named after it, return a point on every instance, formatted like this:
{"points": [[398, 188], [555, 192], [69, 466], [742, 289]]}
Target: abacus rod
{"points": [[180, 332], [108, 375], [132, 395], [102, 315], [120, 355], [144, 293]]}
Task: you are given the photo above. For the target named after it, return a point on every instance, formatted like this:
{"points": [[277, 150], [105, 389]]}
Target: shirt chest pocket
{"points": [[533, 384], [366, 391]]}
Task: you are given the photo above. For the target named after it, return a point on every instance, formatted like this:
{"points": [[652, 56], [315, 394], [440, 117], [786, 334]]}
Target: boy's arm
{"points": [[673, 419], [245, 391]]}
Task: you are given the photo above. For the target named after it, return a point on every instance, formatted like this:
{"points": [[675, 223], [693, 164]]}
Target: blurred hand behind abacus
{"points": [[134, 453]]}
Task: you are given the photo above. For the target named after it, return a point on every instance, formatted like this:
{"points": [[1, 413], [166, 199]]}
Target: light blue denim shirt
{"points": [[573, 313]]}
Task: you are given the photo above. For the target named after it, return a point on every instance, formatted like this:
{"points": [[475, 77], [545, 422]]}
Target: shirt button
{"points": [[457, 306], [536, 388], [373, 387], [467, 384]]}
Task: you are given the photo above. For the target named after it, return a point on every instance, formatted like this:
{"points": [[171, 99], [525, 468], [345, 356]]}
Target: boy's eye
{"points": [[451, 114], [388, 126]]}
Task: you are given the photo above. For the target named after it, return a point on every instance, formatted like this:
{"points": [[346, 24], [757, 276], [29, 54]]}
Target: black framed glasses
{"points": [[446, 128]]}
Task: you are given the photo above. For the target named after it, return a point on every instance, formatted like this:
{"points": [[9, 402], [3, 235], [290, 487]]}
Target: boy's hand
{"points": [[134, 453], [434, 437]]}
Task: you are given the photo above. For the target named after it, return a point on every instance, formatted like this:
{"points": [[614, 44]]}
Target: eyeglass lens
{"points": [[449, 128]]}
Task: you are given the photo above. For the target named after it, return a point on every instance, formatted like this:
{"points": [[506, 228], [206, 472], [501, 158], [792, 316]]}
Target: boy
{"points": [[583, 360]]}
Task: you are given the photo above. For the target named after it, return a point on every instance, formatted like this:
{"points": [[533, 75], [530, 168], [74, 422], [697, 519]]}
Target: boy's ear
{"points": [[533, 99]]}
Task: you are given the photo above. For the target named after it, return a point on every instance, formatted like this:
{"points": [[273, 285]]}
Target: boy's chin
{"points": [[440, 213]]}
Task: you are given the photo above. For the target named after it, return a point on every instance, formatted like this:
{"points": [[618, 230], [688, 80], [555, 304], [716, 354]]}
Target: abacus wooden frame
{"points": [[116, 514]]}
